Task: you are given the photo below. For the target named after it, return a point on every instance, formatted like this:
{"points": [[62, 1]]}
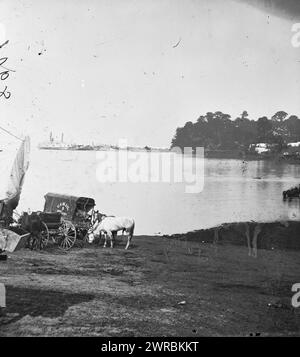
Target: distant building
{"points": [[260, 147], [294, 145]]}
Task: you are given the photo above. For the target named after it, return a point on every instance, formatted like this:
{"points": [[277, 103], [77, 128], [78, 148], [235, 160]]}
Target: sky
{"points": [[104, 70]]}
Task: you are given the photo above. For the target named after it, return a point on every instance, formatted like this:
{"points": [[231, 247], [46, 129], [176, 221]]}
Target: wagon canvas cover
{"points": [[66, 204], [9, 240], [17, 175]]}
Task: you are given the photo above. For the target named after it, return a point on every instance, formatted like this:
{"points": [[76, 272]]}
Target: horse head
{"points": [[101, 216], [98, 218]]}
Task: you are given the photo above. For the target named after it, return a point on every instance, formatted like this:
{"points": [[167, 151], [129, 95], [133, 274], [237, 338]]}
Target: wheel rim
{"points": [[68, 235]]}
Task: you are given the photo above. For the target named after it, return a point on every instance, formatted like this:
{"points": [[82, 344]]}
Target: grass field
{"points": [[159, 287]]}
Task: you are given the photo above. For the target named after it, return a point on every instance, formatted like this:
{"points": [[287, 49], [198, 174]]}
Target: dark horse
{"points": [[32, 223]]}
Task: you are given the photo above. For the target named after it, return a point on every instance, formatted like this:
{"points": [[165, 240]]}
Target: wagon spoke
{"points": [[68, 235], [69, 242]]}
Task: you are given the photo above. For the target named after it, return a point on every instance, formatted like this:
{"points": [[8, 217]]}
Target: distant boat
{"points": [[53, 146]]}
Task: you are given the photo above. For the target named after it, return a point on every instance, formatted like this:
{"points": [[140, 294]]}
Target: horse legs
{"points": [[110, 236], [101, 234], [256, 232], [129, 237], [247, 232], [112, 239], [216, 235], [105, 240], [128, 240]]}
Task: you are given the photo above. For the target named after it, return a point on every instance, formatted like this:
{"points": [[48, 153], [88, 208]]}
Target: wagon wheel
{"points": [[67, 232]]}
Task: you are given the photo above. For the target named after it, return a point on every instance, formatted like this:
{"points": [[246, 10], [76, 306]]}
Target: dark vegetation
{"points": [[218, 131]]}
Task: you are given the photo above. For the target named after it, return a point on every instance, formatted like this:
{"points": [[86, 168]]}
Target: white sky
{"points": [[108, 69]]}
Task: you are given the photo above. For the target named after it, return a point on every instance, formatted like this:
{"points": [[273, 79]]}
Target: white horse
{"points": [[110, 226]]}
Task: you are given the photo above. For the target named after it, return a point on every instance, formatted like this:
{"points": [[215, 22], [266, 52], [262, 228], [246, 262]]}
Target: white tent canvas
{"points": [[17, 173], [14, 164], [7, 157]]}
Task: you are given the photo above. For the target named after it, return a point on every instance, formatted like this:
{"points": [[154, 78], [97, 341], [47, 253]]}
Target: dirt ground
{"points": [[159, 287]]}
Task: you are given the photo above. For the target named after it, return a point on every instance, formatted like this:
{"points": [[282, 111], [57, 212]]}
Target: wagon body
{"points": [[52, 220], [64, 219], [72, 208], [67, 217]]}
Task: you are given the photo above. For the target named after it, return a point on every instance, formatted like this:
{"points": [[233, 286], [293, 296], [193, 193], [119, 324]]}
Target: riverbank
{"points": [[274, 235], [251, 156], [208, 154], [161, 286]]}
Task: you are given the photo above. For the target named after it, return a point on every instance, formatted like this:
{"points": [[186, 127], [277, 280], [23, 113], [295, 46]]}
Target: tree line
{"points": [[217, 131]]}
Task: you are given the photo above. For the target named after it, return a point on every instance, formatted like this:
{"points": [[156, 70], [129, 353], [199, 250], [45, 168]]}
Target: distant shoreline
{"points": [[208, 154], [239, 155], [274, 235], [112, 148]]}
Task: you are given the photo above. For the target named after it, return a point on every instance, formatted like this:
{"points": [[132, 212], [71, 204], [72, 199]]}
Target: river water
{"points": [[232, 190]]}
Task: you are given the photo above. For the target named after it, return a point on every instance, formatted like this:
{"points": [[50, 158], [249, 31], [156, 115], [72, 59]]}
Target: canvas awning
{"points": [[66, 204]]}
